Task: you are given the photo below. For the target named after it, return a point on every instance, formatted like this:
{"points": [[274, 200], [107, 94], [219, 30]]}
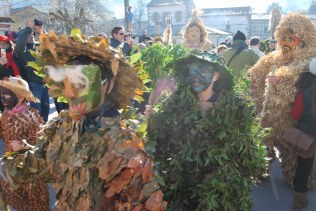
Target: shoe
{"points": [[300, 201]]}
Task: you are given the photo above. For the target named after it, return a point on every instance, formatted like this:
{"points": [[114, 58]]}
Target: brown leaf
{"points": [[117, 184], [147, 173], [135, 161], [154, 202], [137, 208]]}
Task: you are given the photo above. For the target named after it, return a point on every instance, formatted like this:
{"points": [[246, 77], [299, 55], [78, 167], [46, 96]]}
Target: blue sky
{"points": [[258, 5]]}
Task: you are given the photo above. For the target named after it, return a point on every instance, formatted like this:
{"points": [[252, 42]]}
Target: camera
{"points": [[38, 22]]}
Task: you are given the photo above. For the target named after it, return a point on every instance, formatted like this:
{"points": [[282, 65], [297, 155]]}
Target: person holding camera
{"points": [[24, 44], [117, 40], [9, 64]]}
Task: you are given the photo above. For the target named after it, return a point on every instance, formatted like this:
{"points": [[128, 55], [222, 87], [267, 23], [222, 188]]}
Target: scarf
{"points": [[12, 64], [18, 109]]}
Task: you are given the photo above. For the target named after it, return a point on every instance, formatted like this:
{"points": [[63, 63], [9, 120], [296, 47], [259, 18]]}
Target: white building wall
{"points": [[236, 22], [172, 9]]}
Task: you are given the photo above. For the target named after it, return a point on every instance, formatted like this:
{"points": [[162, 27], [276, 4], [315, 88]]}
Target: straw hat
{"points": [[19, 87]]}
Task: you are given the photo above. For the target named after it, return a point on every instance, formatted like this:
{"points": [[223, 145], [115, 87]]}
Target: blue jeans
{"points": [[41, 92]]}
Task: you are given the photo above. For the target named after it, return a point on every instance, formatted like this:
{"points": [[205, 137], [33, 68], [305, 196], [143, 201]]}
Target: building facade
{"points": [[163, 12], [228, 19]]}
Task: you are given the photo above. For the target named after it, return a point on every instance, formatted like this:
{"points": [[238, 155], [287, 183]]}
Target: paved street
{"points": [[263, 196], [266, 199]]}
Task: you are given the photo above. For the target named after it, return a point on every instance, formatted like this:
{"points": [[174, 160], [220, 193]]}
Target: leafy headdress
{"points": [[60, 50], [181, 69]]}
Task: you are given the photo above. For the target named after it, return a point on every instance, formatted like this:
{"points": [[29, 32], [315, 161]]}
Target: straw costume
{"points": [[203, 43], [94, 160], [288, 65], [18, 123]]}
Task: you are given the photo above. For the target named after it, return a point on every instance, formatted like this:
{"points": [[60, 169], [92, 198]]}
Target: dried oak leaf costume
{"points": [[288, 67], [208, 161], [21, 123], [108, 169]]}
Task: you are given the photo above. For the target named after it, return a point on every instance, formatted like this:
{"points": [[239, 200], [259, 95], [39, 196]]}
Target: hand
{"points": [[31, 24], [3, 60], [149, 111], [15, 144], [272, 79], [40, 29], [130, 41]]}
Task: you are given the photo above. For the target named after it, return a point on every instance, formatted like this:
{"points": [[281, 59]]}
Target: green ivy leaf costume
{"points": [[207, 160]]}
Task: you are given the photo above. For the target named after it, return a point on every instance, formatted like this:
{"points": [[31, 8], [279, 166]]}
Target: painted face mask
{"points": [[8, 98], [200, 76], [80, 85], [289, 42]]}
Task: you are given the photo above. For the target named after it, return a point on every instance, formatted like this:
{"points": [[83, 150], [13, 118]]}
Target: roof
{"points": [[227, 11], [154, 3], [6, 20]]}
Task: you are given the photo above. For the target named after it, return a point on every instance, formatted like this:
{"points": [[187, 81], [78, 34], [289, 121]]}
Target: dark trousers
{"points": [[303, 170], [60, 105], [41, 92]]}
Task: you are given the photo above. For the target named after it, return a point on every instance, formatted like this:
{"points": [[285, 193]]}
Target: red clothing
{"points": [[11, 63], [297, 109]]}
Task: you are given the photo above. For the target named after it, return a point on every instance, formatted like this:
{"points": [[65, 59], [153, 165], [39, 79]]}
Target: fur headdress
{"points": [[302, 27]]}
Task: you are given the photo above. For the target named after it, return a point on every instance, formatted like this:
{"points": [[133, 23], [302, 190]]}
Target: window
{"points": [[167, 18], [179, 16], [156, 17]]}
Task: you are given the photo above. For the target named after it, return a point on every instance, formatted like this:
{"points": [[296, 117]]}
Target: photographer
{"points": [[117, 40], [24, 44], [9, 64]]}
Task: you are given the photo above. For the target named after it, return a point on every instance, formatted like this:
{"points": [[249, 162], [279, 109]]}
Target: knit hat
{"points": [[239, 36]]}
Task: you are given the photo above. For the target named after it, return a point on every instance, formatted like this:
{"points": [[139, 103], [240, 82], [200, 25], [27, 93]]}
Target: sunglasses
{"points": [[122, 33]]}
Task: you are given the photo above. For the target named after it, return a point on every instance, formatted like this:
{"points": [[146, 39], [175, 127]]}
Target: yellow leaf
{"points": [[139, 92], [138, 98], [74, 32]]}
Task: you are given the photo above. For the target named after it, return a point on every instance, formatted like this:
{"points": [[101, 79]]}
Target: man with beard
{"points": [[296, 37], [20, 122], [94, 160]]}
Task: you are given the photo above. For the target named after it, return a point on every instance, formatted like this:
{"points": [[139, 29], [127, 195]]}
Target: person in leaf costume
{"points": [[19, 121], [208, 146], [94, 160], [296, 48]]}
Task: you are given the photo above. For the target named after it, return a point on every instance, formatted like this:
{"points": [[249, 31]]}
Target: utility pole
{"points": [[126, 4]]}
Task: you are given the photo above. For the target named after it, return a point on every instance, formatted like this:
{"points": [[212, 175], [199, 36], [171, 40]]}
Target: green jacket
{"points": [[245, 59]]}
